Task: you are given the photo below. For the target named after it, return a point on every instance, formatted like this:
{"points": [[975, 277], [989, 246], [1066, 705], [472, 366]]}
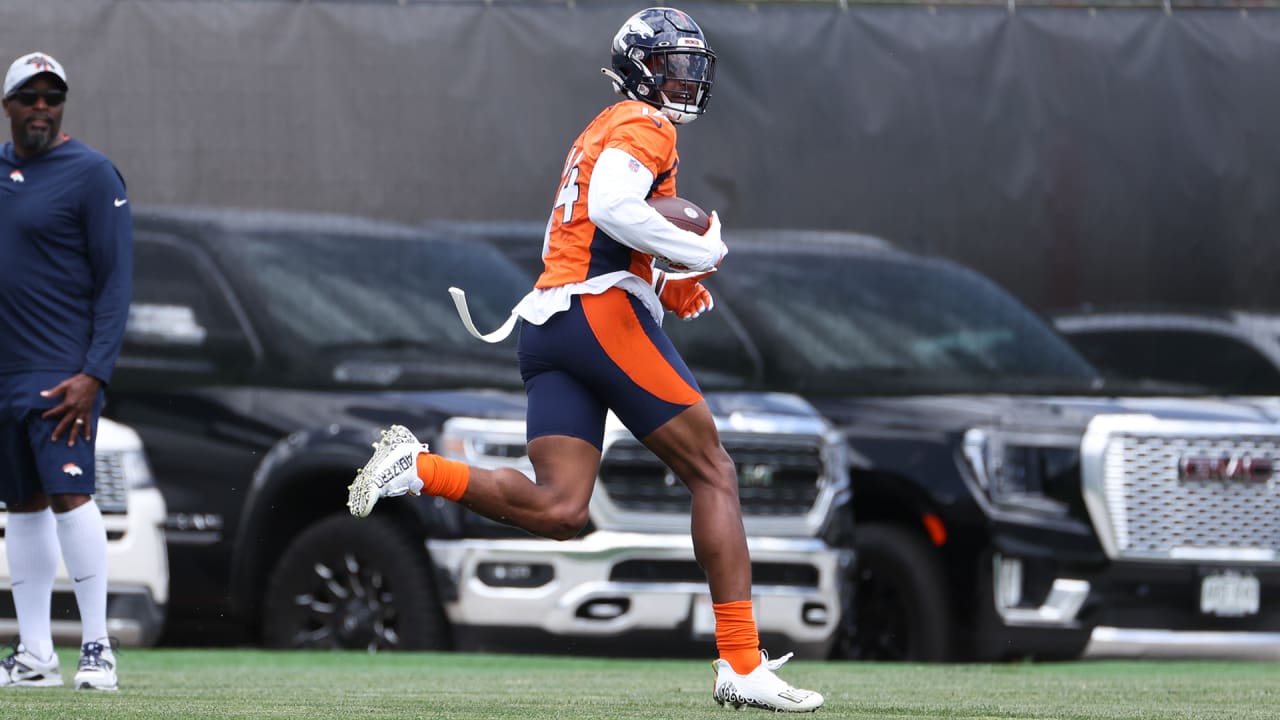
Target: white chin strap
{"points": [[676, 114]]}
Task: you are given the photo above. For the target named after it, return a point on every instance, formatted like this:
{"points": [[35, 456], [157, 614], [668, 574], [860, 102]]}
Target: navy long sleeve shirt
{"points": [[66, 261]]}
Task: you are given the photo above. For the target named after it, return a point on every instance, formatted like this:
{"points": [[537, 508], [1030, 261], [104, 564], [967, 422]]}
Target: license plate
{"points": [[1230, 594]]}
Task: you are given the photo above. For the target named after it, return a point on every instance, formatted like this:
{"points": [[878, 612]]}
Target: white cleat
{"points": [[391, 472], [22, 669], [97, 668], [761, 688]]}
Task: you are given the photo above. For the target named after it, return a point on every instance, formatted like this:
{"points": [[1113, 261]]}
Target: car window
{"points": [[833, 316], [713, 348], [1216, 362], [181, 315], [338, 291]]}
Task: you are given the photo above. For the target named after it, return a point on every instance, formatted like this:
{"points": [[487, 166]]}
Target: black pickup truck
{"points": [[1008, 501], [264, 351]]}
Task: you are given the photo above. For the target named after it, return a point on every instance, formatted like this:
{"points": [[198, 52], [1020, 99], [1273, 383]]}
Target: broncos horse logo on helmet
{"points": [[660, 57]]}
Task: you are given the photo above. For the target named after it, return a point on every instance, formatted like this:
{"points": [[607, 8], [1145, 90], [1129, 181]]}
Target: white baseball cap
{"points": [[29, 66]]}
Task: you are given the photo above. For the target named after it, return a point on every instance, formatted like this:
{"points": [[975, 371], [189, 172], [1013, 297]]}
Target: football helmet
{"points": [[661, 57]]}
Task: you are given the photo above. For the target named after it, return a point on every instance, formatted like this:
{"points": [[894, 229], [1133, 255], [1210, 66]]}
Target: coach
{"points": [[66, 271]]}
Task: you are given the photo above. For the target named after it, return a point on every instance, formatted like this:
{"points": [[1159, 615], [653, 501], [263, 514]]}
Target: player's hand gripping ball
{"points": [[684, 295]]}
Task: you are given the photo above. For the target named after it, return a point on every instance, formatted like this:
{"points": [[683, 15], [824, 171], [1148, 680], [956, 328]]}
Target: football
{"points": [[682, 213]]}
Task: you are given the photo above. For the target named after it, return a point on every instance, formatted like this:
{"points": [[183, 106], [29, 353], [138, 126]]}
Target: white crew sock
{"points": [[84, 550], [31, 540]]}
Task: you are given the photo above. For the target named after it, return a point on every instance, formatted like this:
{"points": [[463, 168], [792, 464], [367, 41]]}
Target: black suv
{"points": [[263, 352], [1007, 500], [1223, 352]]}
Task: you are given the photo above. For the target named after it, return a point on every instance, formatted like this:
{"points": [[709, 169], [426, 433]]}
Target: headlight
{"points": [[137, 472], [486, 443], [1025, 473]]}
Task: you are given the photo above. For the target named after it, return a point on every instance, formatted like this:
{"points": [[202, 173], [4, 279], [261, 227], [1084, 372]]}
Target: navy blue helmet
{"points": [[661, 57]]}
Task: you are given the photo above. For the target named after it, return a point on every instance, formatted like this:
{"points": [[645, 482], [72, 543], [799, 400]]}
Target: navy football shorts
{"points": [[604, 353], [31, 463]]}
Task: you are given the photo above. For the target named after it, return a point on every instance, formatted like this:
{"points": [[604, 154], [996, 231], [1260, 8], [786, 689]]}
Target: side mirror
{"points": [[163, 326], [169, 337]]}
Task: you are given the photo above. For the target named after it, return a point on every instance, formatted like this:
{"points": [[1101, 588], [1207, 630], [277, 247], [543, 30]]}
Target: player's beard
{"points": [[36, 141]]}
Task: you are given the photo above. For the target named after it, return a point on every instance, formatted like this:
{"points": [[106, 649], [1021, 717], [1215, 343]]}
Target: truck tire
{"points": [[900, 599], [351, 583]]}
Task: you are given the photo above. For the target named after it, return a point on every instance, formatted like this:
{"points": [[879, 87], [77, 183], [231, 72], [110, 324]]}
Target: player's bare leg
{"points": [[554, 504], [689, 444]]}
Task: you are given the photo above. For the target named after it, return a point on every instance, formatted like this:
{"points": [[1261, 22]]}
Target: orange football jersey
{"points": [[576, 248]]}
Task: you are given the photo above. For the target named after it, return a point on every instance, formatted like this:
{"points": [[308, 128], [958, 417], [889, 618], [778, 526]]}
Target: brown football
{"points": [[682, 213]]}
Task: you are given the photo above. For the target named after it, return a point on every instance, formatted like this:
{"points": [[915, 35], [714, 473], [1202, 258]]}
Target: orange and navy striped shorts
{"points": [[604, 353]]}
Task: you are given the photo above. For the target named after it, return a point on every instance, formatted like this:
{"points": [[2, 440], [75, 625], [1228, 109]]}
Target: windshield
{"points": [[1201, 360], [879, 321], [381, 294]]}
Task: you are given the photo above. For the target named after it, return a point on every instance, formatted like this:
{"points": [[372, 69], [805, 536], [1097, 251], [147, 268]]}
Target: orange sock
{"points": [[736, 637], [443, 477]]}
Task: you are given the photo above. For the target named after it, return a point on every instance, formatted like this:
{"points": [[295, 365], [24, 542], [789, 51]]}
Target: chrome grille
{"points": [[111, 494], [778, 475], [1144, 509]]}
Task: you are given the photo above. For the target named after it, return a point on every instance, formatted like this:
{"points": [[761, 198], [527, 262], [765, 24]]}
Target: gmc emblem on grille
{"points": [[1241, 468], [756, 476]]}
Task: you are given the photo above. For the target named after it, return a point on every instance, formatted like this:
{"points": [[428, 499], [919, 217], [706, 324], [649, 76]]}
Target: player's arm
{"points": [[108, 227], [615, 204]]}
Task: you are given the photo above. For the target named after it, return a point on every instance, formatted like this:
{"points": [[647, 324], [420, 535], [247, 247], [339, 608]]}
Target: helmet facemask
{"points": [[682, 78]]}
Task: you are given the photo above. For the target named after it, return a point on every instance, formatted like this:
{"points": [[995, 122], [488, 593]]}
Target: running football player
{"points": [[591, 341]]}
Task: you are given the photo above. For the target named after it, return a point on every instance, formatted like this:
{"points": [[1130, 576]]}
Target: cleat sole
{"points": [[361, 493]]}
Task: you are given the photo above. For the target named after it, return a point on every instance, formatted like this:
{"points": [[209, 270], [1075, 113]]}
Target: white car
{"points": [[133, 511]]}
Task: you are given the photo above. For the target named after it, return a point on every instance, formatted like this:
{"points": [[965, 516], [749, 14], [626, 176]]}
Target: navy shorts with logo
{"points": [[30, 462]]}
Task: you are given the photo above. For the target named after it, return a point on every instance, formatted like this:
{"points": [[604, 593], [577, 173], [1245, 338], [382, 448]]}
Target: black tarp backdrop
{"points": [[1074, 154]]}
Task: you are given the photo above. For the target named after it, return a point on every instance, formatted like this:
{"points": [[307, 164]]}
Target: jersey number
{"points": [[569, 190]]}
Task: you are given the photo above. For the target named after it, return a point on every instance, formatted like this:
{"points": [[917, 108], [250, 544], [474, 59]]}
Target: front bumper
{"points": [[638, 593], [1112, 642], [1169, 596], [1038, 591]]}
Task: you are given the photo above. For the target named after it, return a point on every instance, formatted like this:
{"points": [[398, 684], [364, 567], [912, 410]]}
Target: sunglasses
{"points": [[52, 98]]}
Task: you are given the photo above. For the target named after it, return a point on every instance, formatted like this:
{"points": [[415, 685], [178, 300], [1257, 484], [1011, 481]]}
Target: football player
{"points": [[591, 341]]}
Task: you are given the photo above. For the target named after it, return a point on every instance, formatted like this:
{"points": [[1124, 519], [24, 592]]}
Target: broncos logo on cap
{"points": [[72, 469], [41, 63]]}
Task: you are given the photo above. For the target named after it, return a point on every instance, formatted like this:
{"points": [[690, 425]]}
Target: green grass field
{"points": [[179, 684]]}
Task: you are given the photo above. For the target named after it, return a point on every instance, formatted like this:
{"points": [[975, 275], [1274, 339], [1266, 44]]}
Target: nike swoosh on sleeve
{"points": [[120, 202]]}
